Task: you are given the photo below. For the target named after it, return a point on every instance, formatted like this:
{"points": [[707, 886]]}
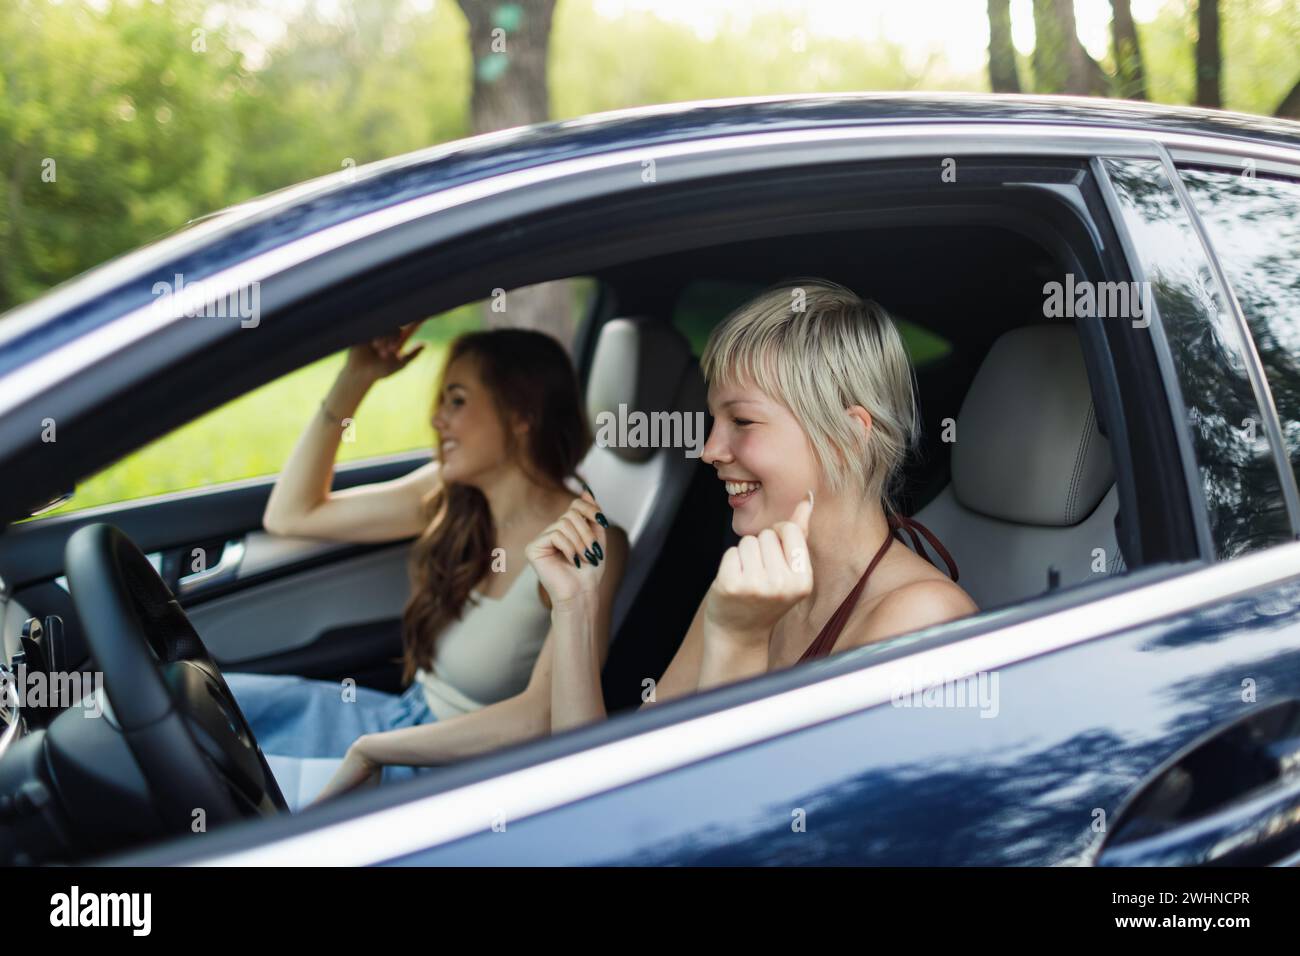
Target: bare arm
{"points": [[576, 693], [582, 636], [525, 716], [758, 581], [515, 719], [301, 503]]}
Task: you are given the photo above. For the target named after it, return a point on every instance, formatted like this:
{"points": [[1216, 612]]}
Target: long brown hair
{"points": [[530, 379]]}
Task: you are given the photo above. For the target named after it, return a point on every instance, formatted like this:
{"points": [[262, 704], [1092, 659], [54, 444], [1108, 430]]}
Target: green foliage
{"points": [[154, 113], [1260, 61], [383, 82], [151, 114], [110, 134], [602, 64]]}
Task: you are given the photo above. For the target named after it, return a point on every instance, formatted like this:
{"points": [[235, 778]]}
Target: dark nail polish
{"points": [[604, 522], [577, 562], [597, 550], [590, 557]]}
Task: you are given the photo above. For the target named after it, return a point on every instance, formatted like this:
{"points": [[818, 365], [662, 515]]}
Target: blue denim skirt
{"points": [[305, 727]]}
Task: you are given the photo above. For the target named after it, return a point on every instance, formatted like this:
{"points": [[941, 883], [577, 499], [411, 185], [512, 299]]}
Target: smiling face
{"points": [[762, 454], [472, 438]]}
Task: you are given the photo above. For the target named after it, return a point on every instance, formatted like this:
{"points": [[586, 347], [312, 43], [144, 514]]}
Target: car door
{"points": [[1107, 723]]}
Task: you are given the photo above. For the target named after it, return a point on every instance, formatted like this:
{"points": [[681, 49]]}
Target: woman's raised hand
{"points": [[569, 555], [760, 579], [382, 356]]}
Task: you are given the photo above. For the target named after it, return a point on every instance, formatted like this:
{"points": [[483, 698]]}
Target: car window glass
{"points": [[1254, 224], [1238, 470]]}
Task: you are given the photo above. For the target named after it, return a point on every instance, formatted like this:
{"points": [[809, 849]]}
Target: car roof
{"points": [[218, 240]]}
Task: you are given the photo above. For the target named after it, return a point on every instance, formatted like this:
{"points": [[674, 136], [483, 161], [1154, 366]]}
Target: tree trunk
{"points": [[1208, 58], [508, 42], [1128, 55], [1289, 108], [1061, 64], [1002, 54]]}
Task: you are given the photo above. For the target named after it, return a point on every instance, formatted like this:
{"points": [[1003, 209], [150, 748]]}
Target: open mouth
{"points": [[739, 492]]}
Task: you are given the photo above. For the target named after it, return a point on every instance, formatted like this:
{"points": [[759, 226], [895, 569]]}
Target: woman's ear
{"points": [[863, 416], [519, 426]]}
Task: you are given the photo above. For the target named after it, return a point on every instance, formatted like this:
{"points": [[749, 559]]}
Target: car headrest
{"points": [[1028, 448], [640, 363]]}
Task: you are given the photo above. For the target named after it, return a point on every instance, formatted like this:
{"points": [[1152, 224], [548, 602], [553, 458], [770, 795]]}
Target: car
{"points": [[1102, 300]]}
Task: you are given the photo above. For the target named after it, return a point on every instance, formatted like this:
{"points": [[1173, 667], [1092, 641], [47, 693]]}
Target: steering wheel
{"points": [[165, 692]]}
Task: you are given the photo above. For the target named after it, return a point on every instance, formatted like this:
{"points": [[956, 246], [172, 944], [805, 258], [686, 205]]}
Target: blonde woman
{"points": [[811, 392]]}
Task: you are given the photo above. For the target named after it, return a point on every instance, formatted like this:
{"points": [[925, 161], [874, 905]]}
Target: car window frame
{"points": [[1243, 348]]}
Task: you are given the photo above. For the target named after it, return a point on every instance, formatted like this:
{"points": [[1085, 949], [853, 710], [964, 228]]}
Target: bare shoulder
{"points": [[913, 606]]}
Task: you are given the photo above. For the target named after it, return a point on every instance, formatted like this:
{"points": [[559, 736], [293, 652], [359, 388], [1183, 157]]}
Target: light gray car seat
{"points": [[645, 365], [1032, 498]]}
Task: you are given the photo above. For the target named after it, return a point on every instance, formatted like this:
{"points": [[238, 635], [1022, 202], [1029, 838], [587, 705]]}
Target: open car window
{"points": [[253, 435]]}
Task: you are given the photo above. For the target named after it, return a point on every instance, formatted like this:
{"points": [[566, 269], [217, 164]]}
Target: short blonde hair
{"points": [[817, 348]]}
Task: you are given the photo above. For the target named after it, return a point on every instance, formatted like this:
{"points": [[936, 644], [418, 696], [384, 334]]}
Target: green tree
{"points": [[110, 133]]}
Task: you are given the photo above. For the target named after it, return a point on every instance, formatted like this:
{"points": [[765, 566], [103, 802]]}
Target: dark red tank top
{"points": [[831, 631]]}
